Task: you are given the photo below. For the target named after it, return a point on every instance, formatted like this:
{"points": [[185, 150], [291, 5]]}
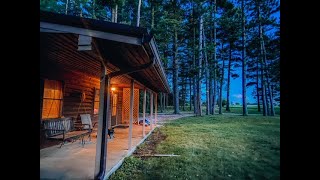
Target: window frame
{"points": [[94, 101], [60, 99]]}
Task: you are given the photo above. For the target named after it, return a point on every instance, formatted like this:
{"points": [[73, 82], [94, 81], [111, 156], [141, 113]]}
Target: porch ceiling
{"points": [[60, 49]]}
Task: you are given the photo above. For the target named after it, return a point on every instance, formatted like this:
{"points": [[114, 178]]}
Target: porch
{"points": [[73, 161], [111, 72]]}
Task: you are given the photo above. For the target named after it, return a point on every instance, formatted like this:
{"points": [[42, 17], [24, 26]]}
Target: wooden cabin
{"points": [[85, 62]]}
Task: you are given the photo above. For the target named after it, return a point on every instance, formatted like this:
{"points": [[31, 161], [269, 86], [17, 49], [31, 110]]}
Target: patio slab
{"points": [[72, 161]]}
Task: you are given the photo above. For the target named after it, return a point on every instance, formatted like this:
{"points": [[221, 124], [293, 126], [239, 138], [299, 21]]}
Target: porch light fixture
{"points": [[113, 89]]}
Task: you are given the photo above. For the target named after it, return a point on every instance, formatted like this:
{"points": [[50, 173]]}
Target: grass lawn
{"points": [[210, 147], [252, 109]]}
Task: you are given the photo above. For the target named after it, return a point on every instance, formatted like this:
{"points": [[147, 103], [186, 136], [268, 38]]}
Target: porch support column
{"points": [[101, 144], [144, 111], [131, 113], [156, 108], [151, 109]]}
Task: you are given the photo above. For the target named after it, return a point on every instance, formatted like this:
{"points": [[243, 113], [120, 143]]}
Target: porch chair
{"points": [[87, 123]]}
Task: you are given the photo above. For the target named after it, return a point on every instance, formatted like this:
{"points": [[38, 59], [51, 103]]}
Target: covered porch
{"points": [[103, 70]]}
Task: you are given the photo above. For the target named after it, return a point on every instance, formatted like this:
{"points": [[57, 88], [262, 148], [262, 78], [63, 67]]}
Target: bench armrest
{"points": [[82, 127]]}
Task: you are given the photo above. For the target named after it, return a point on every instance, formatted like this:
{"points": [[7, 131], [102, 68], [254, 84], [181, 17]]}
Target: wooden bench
{"points": [[63, 129]]}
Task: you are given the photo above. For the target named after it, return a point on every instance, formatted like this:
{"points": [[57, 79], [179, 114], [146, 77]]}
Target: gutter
{"points": [[154, 48]]}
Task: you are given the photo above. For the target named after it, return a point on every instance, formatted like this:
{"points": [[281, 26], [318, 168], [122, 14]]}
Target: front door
{"points": [[114, 109]]}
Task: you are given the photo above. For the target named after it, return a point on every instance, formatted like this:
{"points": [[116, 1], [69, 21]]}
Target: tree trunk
{"points": [[81, 13], [272, 113], [93, 9], [161, 102], [152, 16], [190, 90], [214, 102], [116, 14], [228, 82], [67, 3], [207, 73], [122, 17], [267, 101], [264, 102], [244, 63], [183, 93], [200, 66], [210, 60], [175, 74], [112, 14], [221, 80], [195, 106], [138, 14], [258, 94], [167, 101]]}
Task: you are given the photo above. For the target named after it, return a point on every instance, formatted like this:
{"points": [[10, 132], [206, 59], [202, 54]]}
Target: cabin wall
{"points": [[74, 83]]}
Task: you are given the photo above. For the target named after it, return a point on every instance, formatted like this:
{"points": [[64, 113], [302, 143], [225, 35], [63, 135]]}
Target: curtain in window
{"points": [[52, 98]]}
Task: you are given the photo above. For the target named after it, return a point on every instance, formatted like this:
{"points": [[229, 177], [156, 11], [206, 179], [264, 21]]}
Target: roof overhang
{"points": [[123, 46]]}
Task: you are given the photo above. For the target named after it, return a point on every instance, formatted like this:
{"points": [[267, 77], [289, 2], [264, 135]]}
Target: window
{"points": [[52, 99], [114, 104], [96, 102]]}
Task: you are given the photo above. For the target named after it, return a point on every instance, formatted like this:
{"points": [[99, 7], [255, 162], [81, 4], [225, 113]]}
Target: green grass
{"points": [[212, 147], [252, 109]]}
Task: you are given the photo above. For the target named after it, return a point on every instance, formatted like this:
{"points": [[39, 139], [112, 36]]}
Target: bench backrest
{"points": [[86, 119], [53, 125]]}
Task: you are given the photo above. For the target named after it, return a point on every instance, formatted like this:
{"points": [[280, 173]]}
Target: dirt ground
{"points": [[157, 136], [150, 144], [164, 118]]}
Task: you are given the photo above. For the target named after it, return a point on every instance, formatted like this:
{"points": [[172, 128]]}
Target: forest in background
{"points": [[202, 43]]}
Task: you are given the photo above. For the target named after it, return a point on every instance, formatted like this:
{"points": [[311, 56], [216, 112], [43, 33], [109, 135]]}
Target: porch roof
{"points": [[122, 47]]}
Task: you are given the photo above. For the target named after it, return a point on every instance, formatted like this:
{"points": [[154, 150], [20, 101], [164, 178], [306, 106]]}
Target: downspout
{"points": [[103, 148], [103, 155]]}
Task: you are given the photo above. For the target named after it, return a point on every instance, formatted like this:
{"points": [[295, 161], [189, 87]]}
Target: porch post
{"points": [[151, 109], [144, 111], [156, 108], [101, 144], [131, 113]]}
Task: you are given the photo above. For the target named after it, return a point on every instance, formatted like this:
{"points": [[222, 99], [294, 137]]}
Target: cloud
{"points": [[239, 96]]}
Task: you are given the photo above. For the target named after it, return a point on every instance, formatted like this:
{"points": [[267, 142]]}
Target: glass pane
{"points": [[96, 108], [58, 90], [96, 96], [51, 108], [114, 105], [52, 89]]}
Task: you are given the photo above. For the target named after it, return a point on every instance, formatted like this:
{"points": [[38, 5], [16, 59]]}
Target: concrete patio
{"points": [[72, 161]]}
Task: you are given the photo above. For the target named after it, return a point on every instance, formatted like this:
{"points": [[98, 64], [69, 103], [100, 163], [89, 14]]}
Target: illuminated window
{"points": [[96, 102], [114, 104], [52, 99]]}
